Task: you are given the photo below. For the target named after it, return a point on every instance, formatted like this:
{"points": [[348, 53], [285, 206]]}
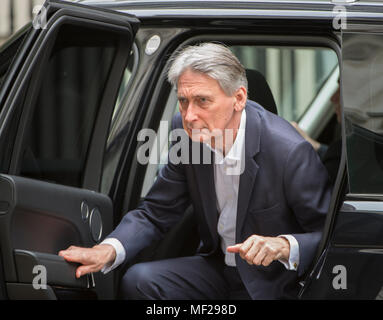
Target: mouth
{"points": [[197, 130], [198, 134], [191, 127]]}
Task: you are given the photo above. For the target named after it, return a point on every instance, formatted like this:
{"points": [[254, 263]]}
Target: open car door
{"points": [[56, 103], [352, 261]]}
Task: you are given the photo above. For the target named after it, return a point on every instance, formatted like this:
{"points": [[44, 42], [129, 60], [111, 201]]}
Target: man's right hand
{"points": [[91, 259]]}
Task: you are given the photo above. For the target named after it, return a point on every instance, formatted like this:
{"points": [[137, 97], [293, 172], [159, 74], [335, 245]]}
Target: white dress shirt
{"points": [[227, 172]]}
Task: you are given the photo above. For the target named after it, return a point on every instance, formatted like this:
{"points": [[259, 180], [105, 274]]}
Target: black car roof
{"points": [[230, 3]]}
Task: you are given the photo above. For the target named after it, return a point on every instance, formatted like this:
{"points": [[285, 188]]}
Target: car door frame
{"points": [[339, 247]]}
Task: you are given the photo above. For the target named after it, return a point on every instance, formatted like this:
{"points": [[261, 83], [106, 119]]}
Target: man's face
{"points": [[205, 108]]}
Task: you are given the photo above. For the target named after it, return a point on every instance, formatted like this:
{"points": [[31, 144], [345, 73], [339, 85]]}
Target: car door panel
{"points": [[38, 219], [43, 209], [350, 266]]}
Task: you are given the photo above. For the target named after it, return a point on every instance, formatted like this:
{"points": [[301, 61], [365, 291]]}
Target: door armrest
{"points": [[59, 272]]}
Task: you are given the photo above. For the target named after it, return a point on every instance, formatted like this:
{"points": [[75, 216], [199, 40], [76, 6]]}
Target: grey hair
{"points": [[212, 59]]}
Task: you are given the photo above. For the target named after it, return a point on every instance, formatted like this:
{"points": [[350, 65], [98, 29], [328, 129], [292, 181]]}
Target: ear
{"points": [[240, 99]]}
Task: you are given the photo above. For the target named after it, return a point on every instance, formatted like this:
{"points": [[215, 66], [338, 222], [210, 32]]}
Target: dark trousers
{"points": [[185, 278]]}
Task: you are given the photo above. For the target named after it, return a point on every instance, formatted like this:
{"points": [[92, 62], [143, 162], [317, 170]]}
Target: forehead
{"points": [[197, 81]]}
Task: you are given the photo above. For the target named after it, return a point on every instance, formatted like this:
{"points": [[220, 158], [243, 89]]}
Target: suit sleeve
{"points": [[161, 209], [308, 193]]}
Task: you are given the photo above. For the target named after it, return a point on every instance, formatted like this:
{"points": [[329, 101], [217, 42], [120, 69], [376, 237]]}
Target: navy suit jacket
{"points": [[284, 189]]}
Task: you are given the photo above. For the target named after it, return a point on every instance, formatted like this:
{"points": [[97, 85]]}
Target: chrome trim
{"points": [[370, 206]]}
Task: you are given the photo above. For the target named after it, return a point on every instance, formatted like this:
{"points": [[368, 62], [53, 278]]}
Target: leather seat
{"points": [[259, 90]]}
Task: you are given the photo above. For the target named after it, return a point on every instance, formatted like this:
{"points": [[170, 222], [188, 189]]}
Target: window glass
{"points": [[362, 93], [119, 125], [295, 75], [124, 86], [66, 107], [8, 52], [159, 154]]}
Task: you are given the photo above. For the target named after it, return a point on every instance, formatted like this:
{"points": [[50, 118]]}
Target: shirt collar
{"points": [[236, 152]]}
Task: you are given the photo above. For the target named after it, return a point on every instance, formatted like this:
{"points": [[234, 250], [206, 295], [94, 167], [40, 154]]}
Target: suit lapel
{"points": [[204, 174], [247, 178]]}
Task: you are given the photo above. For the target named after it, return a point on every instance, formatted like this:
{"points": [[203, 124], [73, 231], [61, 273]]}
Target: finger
{"points": [[244, 248], [67, 250], [248, 244], [267, 260], [64, 253], [73, 258], [235, 248], [70, 248], [271, 255], [83, 270], [250, 255], [260, 256], [80, 255]]}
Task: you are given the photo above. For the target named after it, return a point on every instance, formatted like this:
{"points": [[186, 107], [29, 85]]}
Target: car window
{"points": [[295, 74], [8, 52], [66, 107], [125, 82], [362, 56], [158, 156], [119, 125]]}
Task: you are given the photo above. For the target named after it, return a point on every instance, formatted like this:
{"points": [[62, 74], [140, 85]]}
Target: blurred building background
{"points": [[14, 14], [294, 74]]}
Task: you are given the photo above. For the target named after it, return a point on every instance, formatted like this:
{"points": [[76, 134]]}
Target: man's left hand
{"points": [[260, 250]]}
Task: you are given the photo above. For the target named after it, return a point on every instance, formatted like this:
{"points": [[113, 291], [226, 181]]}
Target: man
{"points": [[259, 225]]}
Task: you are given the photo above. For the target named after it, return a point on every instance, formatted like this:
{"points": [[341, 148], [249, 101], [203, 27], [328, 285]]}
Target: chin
{"points": [[199, 137]]}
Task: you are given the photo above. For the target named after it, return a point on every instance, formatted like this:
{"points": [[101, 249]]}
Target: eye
{"points": [[202, 100], [183, 102]]}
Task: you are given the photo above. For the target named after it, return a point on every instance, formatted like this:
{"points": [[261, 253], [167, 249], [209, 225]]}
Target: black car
{"points": [[79, 83]]}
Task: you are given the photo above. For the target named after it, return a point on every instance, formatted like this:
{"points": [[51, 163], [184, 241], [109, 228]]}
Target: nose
{"points": [[190, 115]]}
